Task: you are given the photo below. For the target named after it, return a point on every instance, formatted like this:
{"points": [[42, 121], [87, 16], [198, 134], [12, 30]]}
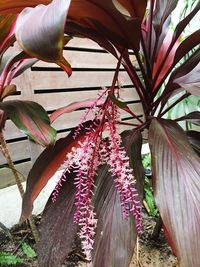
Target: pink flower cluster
{"points": [[85, 159]]}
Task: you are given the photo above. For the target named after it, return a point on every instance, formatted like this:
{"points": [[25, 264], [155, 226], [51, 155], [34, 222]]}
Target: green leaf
{"points": [[28, 251], [31, 118], [117, 102], [44, 39], [7, 258], [176, 171]]}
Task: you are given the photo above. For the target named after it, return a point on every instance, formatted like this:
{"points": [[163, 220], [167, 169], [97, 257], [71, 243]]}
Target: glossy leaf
{"points": [[115, 237], [136, 8], [12, 7], [57, 228], [45, 167], [187, 45], [31, 118], [132, 141], [191, 81], [162, 19], [176, 169], [36, 38], [161, 55], [107, 21]]}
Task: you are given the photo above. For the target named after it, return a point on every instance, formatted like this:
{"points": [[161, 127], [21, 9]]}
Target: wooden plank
{"points": [[83, 43], [11, 131], [56, 100], [82, 59], [79, 79], [18, 150], [7, 178]]}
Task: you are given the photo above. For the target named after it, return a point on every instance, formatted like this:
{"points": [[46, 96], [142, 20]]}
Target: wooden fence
{"points": [[47, 84]]}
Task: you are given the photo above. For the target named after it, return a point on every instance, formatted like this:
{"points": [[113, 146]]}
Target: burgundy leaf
{"points": [[115, 237], [162, 19], [136, 8], [110, 22], [57, 228], [193, 117], [31, 118], [191, 81], [161, 55], [194, 139], [45, 167], [185, 22], [132, 141], [6, 27], [9, 64], [8, 90], [176, 169], [72, 107], [187, 45], [35, 37], [24, 65], [12, 7]]}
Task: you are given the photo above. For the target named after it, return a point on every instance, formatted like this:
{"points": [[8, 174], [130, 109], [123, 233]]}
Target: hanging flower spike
{"points": [[120, 169]]}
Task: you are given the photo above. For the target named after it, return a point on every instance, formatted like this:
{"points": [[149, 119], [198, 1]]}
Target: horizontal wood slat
{"points": [[80, 79], [7, 178], [56, 100], [18, 150]]}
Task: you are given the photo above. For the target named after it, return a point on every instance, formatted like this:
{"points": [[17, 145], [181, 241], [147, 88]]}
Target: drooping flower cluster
{"points": [[85, 159]]}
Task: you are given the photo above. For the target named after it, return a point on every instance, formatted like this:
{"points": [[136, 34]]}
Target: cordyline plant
{"points": [[99, 192]]}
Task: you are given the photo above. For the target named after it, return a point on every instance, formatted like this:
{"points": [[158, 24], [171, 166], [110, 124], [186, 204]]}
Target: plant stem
{"points": [[6, 154]]}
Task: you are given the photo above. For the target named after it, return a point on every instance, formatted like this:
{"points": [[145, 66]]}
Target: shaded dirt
{"points": [[149, 252]]}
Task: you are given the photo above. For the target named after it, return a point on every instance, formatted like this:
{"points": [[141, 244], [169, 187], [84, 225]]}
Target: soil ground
{"points": [[149, 252]]}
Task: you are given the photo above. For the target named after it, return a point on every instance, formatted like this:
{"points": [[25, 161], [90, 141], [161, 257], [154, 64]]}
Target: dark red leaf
{"points": [[31, 118], [162, 19], [6, 28], [45, 167], [193, 117], [161, 55], [115, 237], [185, 22], [176, 169], [12, 7], [194, 139], [191, 81], [110, 23], [136, 8], [187, 45], [57, 228], [132, 141], [35, 37]]}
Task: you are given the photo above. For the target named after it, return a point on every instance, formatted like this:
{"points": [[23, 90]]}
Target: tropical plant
{"points": [[99, 193]]}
